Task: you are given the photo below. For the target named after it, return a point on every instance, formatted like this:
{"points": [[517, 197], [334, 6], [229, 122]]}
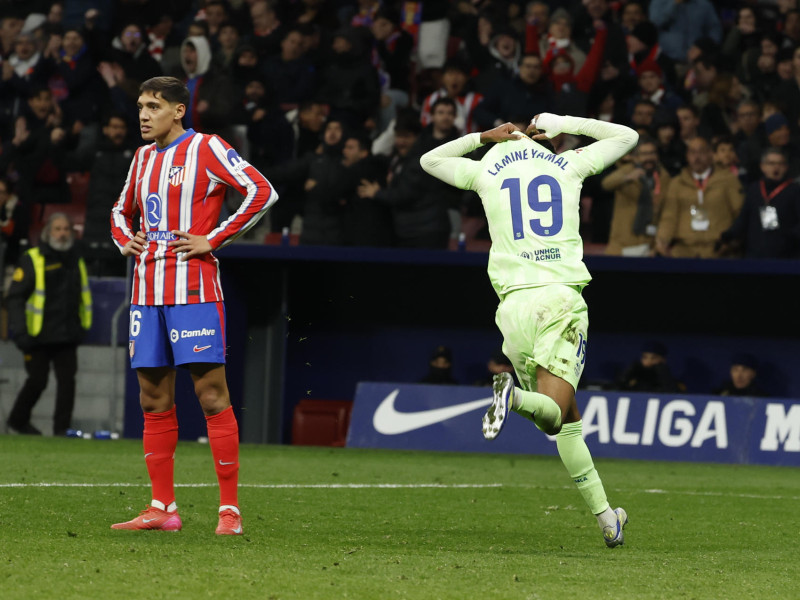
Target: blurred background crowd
{"points": [[335, 100]]}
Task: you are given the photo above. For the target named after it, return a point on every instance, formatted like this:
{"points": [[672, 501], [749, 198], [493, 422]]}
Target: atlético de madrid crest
{"points": [[176, 175]]}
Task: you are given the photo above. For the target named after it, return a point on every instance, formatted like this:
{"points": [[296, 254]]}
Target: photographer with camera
{"points": [[639, 186]]}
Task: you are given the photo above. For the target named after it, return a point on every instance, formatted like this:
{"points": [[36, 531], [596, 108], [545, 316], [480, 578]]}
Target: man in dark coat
{"points": [[350, 83], [419, 211], [528, 93], [768, 226], [108, 167]]}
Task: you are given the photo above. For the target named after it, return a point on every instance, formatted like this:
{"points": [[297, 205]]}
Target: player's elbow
{"points": [[428, 163], [632, 138]]}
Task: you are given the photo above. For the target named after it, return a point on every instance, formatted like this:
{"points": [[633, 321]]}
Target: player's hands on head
{"points": [[501, 133], [545, 126], [136, 246], [191, 245]]}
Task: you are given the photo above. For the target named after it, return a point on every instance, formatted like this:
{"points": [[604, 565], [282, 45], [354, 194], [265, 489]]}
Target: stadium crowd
{"points": [[335, 101]]}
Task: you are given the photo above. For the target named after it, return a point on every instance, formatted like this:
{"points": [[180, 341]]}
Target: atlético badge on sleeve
{"points": [[131, 347], [176, 175]]}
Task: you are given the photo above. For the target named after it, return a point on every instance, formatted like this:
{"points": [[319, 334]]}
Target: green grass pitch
{"points": [[420, 525]]}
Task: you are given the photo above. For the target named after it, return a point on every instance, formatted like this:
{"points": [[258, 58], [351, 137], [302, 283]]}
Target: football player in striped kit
{"points": [[177, 318]]}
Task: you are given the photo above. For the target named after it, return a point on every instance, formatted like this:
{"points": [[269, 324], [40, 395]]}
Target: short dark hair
{"points": [[529, 55], [232, 25], [722, 140], [772, 150], [113, 114], [407, 122], [690, 107], [364, 142], [456, 64], [645, 140], [202, 25], [171, 89], [37, 89], [444, 101]]}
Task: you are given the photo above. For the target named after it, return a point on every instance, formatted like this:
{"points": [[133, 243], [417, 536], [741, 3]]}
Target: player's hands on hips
{"points": [[506, 131], [546, 126], [136, 246], [191, 245]]}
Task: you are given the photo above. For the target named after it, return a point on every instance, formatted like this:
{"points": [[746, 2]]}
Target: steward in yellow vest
{"points": [[49, 311]]}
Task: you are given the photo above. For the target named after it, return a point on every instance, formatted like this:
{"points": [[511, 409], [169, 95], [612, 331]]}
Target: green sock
{"points": [[578, 461], [536, 407]]}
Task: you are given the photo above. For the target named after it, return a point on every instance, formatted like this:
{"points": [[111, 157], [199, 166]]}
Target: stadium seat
{"points": [[321, 422], [75, 209], [453, 46], [275, 238]]}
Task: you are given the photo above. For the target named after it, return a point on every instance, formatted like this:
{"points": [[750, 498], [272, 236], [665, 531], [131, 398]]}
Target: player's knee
{"points": [[212, 399], [153, 403], [555, 430]]}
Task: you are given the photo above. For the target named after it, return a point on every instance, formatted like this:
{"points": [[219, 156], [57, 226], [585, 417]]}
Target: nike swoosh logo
{"points": [[148, 454], [389, 421], [237, 531], [147, 520], [226, 463], [201, 348]]}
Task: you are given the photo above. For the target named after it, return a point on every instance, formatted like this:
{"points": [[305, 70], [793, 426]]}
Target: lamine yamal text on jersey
{"points": [[517, 155]]}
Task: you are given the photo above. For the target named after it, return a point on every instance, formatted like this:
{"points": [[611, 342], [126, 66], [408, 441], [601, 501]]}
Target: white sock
{"points": [[607, 518], [160, 505], [229, 507]]}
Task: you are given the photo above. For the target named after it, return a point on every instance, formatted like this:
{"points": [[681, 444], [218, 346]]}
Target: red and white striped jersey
{"points": [[182, 187], [465, 106]]}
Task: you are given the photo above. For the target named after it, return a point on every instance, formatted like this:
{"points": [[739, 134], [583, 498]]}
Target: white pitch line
{"points": [[359, 486], [268, 486], [720, 494]]}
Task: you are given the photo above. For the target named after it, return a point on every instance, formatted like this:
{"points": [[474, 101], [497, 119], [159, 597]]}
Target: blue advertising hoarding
{"points": [[615, 424]]}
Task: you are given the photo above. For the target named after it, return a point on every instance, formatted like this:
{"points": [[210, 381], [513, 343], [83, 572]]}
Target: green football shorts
{"points": [[545, 326]]}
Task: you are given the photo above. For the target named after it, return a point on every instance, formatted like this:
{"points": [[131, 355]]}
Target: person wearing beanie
{"points": [[742, 380], [497, 363], [440, 367], [778, 133], [643, 47], [650, 373], [650, 83]]}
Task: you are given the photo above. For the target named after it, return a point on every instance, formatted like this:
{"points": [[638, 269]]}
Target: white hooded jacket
{"points": [[203, 49]]}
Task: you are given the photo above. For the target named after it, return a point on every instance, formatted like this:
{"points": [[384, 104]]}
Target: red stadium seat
{"points": [[75, 209], [321, 422]]}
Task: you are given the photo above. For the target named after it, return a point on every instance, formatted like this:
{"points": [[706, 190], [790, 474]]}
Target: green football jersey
{"points": [[531, 199]]}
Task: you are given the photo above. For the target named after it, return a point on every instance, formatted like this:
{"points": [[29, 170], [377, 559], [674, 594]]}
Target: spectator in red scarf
{"points": [[643, 47]]}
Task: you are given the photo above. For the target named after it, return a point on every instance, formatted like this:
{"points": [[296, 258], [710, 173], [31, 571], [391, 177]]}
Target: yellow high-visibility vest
{"points": [[34, 307]]}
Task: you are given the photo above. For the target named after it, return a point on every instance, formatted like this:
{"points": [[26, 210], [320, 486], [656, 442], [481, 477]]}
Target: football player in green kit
{"points": [[531, 196]]}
